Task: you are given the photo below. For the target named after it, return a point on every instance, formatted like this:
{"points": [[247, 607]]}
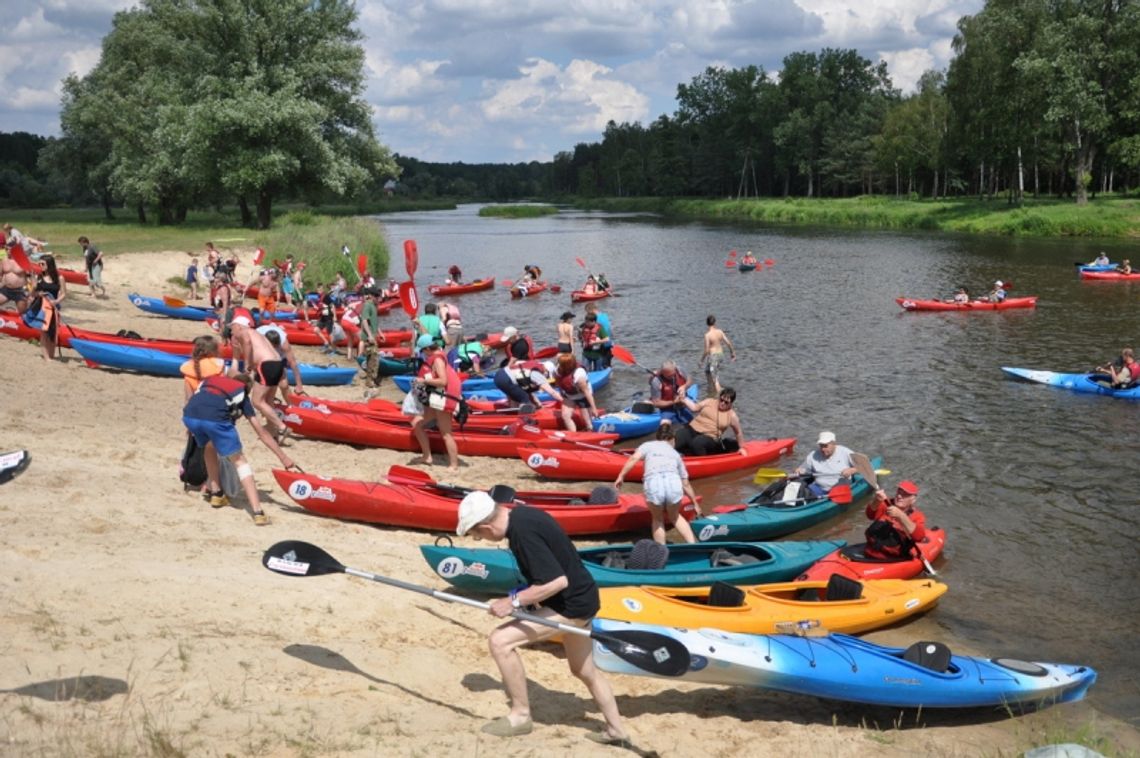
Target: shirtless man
{"points": [[13, 285], [262, 361], [267, 292], [713, 356], [280, 342]]}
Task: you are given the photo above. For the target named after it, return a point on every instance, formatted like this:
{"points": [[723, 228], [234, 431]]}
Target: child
{"points": [[192, 278]]}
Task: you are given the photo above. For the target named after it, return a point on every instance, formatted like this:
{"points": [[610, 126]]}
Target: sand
{"points": [[138, 620]]}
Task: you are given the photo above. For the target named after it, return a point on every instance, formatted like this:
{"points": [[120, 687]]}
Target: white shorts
{"points": [[663, 489]]}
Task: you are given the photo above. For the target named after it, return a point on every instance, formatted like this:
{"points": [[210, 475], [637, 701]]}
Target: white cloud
{"points": [[907, 66], [27, 99]]}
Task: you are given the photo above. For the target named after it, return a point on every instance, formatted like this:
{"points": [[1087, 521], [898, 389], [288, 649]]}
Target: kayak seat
{"points": [[575, 501], [647, 555], [840, 587], [603, 494], [721, 558], [855, 553], [614, 559], [725, 595], [931, 655], [643, 408]]}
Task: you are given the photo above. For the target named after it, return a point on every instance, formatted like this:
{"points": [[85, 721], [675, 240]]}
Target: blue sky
{"points": [[492, 81]]}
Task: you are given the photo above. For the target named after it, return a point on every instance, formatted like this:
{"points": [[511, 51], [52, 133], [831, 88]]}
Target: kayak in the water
{"points": [[916, 304], [1092, 384]]}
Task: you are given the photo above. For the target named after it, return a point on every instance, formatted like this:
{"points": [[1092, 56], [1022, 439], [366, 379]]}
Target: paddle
{"points": [[626, 357], [173, 302], [258, 256], [582, 263], [411, 258], [506, 283], [649, 651], [361, 264], [13, 464], [406, 476], [408, 298], [918, 554], [769, 262], [840, 494], [765, 475]]}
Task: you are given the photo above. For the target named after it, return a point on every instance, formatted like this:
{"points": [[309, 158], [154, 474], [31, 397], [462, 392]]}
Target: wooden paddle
{"points": [[654, 653]]}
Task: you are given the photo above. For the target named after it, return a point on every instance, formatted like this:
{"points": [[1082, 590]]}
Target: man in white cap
{"points": [[829, 463], [262, 362], [563, 591], [517, 346], [997, 294]]}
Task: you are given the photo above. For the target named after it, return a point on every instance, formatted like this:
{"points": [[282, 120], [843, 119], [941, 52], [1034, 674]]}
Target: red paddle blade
{"points": [[405, 475], [840, 494], [411, 258], [729, 264], [623, 355], [581, 262], [408, 298], [769, 262], [556, 288], [361, 264], [731, 253], [259, 256]]}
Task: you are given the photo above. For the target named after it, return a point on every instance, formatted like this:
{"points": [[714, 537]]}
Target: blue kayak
{"points": [[1084, 383], [627, 424], [157, 306], [156, 363], [494, 570], [1102, 267], [840, 667], [765, 516], [486, 389]]}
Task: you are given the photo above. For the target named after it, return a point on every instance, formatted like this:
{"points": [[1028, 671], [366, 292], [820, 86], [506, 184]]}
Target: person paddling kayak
{"points": [[896, 523], [829, 464]]}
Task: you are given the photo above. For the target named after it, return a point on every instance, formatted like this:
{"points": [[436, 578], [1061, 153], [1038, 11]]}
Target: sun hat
{"points": [[424, 341], [908, 487], [474, 508], [825, 438], [509, 332]]}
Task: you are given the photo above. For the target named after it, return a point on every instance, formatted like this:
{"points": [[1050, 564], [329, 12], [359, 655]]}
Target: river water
{"points": [[1035, 486]]}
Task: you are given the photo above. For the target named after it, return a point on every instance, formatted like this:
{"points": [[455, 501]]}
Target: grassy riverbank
{"points": [[1103, 217], [312, 237], [517, 211]]}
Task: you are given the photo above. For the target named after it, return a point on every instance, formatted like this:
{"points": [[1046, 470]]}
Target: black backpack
{"points": [[192, 470]]}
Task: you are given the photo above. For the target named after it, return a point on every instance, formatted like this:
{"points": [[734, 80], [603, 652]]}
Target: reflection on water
{"points": [[1031, 483]]}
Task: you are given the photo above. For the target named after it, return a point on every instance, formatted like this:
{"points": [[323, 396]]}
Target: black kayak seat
{"points": [[840, 587], [603, 494], [931, 655], [647, 555], [646, 408], [856, 553], [725, 595], [721, 557]]}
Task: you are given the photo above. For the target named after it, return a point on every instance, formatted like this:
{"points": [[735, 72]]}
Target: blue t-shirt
{"points": [[192, 274]]}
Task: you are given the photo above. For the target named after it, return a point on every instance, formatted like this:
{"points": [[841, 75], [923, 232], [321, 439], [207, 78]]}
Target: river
{"points": [[1030, 482]]}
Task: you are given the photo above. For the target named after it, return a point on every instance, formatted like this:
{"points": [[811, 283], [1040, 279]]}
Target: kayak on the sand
{"points": [[916, 304], [1092, 384], [839, 667], [13, 464]]}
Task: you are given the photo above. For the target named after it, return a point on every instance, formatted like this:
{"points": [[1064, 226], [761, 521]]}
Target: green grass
{"points": [[309, 236], [1103, 217], [517, 211]]}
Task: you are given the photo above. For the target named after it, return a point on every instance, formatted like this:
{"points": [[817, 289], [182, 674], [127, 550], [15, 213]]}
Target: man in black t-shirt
{"points": [[562, 589]]}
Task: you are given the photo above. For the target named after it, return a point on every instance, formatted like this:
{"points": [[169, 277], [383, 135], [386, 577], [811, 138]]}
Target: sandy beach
{"points": [[140, 621]]}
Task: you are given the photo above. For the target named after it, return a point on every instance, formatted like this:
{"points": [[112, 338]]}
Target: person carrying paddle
{"points": [[563, 590], [666, 388], [437, 388], [712, 417], [896, 523], [713, 356], [666, 483], [1123, 371], [828, 464], [210, 415], [263, 362]]}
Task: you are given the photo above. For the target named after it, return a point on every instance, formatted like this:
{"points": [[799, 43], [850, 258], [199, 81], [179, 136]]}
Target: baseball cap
{"points": [[424, 341], [909, 487], [998, 283], [475, 507], [509, 332], [825, 438], [242, 317]]}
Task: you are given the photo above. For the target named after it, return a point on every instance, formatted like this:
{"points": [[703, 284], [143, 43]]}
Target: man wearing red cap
{"points": [[896, 523]]}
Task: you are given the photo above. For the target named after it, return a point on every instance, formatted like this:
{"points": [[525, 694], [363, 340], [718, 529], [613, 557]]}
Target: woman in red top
{"points": [[897, 524], [439, 388]]}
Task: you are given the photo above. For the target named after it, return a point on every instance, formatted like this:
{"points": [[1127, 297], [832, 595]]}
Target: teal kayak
{"points": [[494, 570], [764, 516]]}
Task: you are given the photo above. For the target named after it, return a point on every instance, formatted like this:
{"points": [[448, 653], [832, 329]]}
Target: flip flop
{"points": [[502, 727], [604, 739]]}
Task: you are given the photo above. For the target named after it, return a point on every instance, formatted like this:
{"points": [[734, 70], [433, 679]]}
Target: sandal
{"points": [[260, 519], [502, 727], [219, 499]]}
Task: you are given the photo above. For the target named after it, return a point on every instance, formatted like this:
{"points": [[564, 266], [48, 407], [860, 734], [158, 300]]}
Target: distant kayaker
{"points": [[666, 388], [1122, 371], [713, 356], [828, 464], [1125, 267], [748, 259], [591, 285], [572, 381], [455, 274], [1100, 260], [996, 294], [712, 417], [896, 523], [960, 297], [666, 483], [559, 588], [603, 283], [566, 332]]}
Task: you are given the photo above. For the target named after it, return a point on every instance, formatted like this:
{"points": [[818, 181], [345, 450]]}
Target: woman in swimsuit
{"points": [[52, 289]]}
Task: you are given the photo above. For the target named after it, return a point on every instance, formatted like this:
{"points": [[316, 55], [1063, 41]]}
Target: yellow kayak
{"points": [[838, 605]]}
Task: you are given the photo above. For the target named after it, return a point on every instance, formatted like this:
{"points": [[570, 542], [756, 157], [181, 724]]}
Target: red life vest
{"points": [[1133, 370], [589, 334], [228, 388], [566, 385], [448, 398], [670, 386]]}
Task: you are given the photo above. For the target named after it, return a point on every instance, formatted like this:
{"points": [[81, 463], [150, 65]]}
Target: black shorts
{"points": [[269, 373], [14, 294]]}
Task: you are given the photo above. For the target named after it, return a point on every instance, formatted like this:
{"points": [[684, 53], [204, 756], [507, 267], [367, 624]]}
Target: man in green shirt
{"points": [[430, 323], [370, 338]]}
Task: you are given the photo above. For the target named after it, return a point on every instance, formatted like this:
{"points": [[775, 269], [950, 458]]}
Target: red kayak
{"points": [[16, 253], [11, 324], [529, 290], [852, 563], [911, 304], [442, 290], [370, 432], [437, 508], [576, 463], [581, 296], [1110, 276], [390, 413]]}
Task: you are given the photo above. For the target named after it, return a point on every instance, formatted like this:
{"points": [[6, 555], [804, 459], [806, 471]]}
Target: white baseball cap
{"points": [[509, 332], [474, 508], [825, 438], [998, 283]]}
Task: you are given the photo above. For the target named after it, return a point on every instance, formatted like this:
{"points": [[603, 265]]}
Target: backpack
{"points": [[192, 469]]}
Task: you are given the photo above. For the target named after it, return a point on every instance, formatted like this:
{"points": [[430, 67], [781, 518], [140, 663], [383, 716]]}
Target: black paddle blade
{"points": [[296, 558], [649, 651]]}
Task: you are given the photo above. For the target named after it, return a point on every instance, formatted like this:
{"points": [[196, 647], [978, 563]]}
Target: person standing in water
{"points": [[713, 356]]}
